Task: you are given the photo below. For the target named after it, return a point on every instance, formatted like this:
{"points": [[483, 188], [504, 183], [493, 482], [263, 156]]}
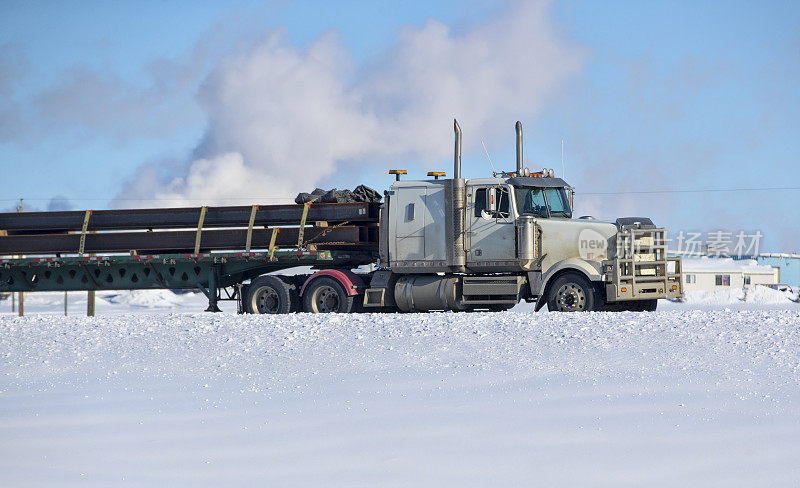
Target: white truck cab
{"points": [[487, 243]]}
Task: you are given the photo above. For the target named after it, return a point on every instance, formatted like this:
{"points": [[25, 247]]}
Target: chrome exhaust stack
{"points": [[457, 151], [519, 148], [455, 204]]}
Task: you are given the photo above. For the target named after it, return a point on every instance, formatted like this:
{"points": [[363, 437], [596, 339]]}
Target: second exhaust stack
{"points": [[457, 151], [455, 203], [519, 148]]}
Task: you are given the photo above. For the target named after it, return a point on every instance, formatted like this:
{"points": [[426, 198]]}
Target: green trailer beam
{"points": [[165, 271]]}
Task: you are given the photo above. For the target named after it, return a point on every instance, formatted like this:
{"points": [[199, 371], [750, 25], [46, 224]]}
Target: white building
{"points": [[720, 273]]}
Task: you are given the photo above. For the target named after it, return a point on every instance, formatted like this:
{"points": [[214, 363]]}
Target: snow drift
{"points": [[756, 295], [684, 397]]}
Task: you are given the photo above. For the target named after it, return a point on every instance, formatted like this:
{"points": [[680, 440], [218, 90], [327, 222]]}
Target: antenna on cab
{"points": [[494, 173]]}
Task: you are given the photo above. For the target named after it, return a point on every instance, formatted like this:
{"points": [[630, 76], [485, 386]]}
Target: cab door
{"points": [[409, 223], [490, 233]]}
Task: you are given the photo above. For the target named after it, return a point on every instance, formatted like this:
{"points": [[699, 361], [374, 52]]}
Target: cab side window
{"points": [[502, 205], [480, 201]]}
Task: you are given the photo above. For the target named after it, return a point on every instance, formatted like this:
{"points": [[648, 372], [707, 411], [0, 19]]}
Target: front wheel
{"points": [[572, 292], [327, 295]]}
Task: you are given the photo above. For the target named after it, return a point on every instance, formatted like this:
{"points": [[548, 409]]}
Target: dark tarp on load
{"points": [[366, 194], [361, 193], [309, 197]]}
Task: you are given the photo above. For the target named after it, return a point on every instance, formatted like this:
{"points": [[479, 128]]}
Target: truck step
{"points": [[483, 286]]}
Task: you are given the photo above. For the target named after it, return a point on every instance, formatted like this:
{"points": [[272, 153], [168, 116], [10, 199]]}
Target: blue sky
{"points": [[648, 96]]}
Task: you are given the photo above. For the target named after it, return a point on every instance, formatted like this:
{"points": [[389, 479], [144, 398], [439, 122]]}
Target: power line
{"points": [[707, 190]]}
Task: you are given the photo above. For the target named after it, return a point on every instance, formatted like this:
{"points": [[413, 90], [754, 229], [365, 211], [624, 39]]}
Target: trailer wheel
{"points": [[327, 295], [269, 295], [572, 292]]}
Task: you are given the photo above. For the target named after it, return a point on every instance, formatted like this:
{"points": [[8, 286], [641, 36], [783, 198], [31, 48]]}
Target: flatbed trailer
{"points": [[152, 249]]}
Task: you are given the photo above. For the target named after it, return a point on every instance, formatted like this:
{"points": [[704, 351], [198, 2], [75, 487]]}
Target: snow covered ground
{"points": [[152, 392], [147, 301]]}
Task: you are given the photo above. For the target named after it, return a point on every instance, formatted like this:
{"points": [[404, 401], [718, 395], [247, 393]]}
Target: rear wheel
{"points": [[327, 295], [270, 295], [572, 292]]}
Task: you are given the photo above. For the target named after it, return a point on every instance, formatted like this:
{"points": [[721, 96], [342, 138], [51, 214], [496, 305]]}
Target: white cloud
{"points": [[220, 179], [281, 118]]}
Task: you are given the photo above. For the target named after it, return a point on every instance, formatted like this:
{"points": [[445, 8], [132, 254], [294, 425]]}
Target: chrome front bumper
{"points": [[641, 268]]}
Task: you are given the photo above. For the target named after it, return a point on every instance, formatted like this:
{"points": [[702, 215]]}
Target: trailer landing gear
{"points": [[212, 291]]}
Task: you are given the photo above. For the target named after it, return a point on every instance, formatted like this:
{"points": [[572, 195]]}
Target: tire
{"points": [[572, 292], [327, 295], [270, 295]]}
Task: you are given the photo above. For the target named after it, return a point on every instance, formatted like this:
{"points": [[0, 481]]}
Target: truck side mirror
{"points": [[491, 200]]}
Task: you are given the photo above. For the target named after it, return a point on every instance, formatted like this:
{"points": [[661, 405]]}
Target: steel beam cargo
{"points": [[353, 237], [170, 218]]}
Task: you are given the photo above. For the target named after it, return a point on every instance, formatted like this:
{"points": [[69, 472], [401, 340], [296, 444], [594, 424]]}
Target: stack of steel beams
{"points": [[329, 226]]}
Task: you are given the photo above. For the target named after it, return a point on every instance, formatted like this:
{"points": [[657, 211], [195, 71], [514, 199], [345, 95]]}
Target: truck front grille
{"points": [[641, 266]]}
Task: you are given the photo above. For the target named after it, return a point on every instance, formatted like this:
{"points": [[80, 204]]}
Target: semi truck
{"points": [[438, 244]]}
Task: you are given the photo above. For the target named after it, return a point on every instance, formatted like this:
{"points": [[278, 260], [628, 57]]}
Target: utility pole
{"points": [[65, 303], [90, 301], [21, 294], [89, 293]]}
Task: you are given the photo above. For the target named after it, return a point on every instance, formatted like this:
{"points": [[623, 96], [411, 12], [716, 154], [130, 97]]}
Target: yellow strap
{"points": [[199, 229], [275, 231], [301, 233], [250, 228], [83, 231]]}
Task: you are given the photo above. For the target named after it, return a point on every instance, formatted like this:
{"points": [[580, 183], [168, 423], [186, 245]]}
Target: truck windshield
{"points": [[557, 202], [542, 202]]}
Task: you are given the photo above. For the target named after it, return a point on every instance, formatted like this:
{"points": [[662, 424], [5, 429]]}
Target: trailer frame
{"points": [[210, 273]]}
